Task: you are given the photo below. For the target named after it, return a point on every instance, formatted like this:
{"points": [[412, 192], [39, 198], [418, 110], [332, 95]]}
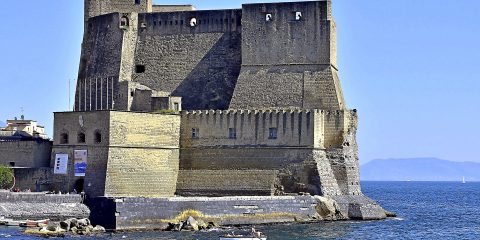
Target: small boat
{"points": [[463, 180], [14, 223], [5, 221], [254, 235], [31, 223]]}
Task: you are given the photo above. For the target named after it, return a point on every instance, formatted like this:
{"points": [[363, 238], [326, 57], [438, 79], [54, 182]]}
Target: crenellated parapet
{"points": [[266, 128]]}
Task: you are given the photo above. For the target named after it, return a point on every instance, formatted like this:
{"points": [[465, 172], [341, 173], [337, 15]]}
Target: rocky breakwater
{"points": [[71, 226], [34, 206]]}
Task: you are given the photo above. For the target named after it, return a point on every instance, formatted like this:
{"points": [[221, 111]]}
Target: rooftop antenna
{"points": [[69, 98]]}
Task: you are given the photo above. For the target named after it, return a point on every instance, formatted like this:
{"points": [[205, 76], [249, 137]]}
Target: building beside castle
{"points": [[171, 101]]}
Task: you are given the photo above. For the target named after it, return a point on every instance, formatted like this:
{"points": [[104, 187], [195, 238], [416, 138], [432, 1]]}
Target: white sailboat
{"points": [[463, 180]]}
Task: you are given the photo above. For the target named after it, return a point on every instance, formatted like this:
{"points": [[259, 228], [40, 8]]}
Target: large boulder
{"points": [[82, 223], [98, 229], [359, 207], [191, 224], [68, 224], [326, 208]]}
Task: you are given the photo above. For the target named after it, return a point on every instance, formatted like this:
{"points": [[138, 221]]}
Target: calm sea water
{"points": [[426, 210]]}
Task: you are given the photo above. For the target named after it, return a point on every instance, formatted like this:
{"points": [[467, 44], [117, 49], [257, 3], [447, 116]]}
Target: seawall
{"points": [[34, 206], [157, 213]]}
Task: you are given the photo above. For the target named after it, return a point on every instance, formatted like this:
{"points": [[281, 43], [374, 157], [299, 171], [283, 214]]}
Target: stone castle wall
{"points": [[314, 150], [218, 183], [278, 69], [200, 64], [143, 155], [100, 64], [252, 128], [29, 154], [138, 154], [95, 8]]}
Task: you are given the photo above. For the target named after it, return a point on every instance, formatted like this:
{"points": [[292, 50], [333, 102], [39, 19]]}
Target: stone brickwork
{"points": [[172, 8], [224, 59], [199, 64], [29, 154], [151, 213], [288, 62], [265, 112], [313, 150], [138, 154], [249, 128], [35, 179], [22, 206], [95, 8], [217, 183]]}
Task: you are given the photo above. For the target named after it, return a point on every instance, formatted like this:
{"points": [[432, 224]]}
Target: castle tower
{"points": [[95, 8], [288, 57]]}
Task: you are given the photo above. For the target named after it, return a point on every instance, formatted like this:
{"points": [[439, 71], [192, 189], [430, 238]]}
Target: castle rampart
{"points": [[256, 102]]}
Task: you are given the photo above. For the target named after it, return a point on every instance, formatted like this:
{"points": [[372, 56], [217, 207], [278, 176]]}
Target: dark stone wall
{"points": [[288, 63], [284, 40], [22, 206], [95, 8], [99, 63], [151, 213], [29, 154], [233, 183], [200, 64]]}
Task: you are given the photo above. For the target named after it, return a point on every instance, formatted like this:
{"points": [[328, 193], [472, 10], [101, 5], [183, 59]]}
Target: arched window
{"points": [[193, 22], [97, 136], [124, 22], [81, 137], [64, 138], [268, 17]]}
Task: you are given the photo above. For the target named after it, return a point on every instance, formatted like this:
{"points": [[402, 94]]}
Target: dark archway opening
{"points": [[79, 185]]}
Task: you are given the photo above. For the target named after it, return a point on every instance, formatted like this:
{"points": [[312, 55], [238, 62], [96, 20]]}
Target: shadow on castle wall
{"points": [[211, 83]]}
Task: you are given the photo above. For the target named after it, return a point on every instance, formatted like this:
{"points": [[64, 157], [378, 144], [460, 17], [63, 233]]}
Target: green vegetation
{"points": [[6, 177], [166, 111]]}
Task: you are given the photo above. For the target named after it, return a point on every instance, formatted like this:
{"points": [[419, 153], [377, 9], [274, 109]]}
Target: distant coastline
{"points": [[420, 170]]}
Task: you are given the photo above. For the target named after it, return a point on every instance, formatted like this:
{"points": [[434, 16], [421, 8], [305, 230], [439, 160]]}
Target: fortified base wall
{"points": [[22, 206], [218, 183], [26, 154], [288, 62], [199, 63], [138, 154], [312, 151]]}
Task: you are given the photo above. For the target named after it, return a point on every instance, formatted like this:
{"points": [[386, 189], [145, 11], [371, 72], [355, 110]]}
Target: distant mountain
{"points": [[419, 169]]}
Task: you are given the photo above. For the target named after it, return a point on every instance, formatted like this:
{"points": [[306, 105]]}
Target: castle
{"points": [[171, 101]]}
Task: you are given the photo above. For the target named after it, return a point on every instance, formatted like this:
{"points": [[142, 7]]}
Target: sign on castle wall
{"points": [[80, 162], [61, 164]]}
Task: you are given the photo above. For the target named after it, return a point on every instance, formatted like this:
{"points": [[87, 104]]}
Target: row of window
{"points": [[81, 138], [232, 133], [297, 16], [193, 22]]}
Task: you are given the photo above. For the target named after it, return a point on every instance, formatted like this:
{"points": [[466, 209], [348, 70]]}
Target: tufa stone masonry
{"points": [[173, 102]]}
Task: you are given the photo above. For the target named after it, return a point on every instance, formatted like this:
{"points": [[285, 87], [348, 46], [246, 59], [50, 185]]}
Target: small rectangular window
{"points": [[232, 133], [298, 16], [195, 133], [137, 2], [140, 68], [176, 107], [272, 133]]}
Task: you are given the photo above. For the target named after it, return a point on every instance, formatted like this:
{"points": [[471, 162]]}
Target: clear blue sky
{"points": [[410, 67]]}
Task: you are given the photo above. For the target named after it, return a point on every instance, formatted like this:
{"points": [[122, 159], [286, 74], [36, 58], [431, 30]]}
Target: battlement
{"points": [[314, 128], [270, 111], [190, 22]]}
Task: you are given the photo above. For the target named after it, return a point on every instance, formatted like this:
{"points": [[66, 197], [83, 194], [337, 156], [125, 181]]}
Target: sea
{"points": [[426, 210]]}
